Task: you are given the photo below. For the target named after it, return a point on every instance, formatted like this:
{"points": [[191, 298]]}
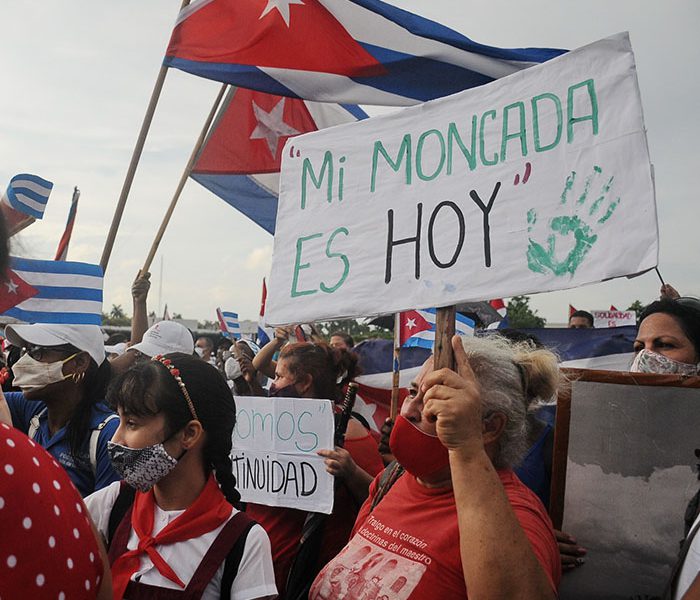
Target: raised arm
{"points": [[497, 558], [139, 294], [263, 360]]}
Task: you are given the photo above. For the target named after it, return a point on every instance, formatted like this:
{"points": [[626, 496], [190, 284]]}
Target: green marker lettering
{"points": [[469, 154], [404, 152], [308, 170], [536, 121], [593, 117], [298, 266], [484, 160], [419, 155], [341, 256], [520, 134]]}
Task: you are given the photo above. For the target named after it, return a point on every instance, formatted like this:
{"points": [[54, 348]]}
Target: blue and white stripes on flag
{"points": [[346, 51], [230, 327], [69, 292], [426, 338], [28, 194]]}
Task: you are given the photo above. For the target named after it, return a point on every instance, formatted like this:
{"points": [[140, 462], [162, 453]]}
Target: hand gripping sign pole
{"points": [[135, 157]]}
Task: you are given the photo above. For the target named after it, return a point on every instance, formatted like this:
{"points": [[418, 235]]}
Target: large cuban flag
{"points": [[50, 291], [347, 51], [240, 160]]}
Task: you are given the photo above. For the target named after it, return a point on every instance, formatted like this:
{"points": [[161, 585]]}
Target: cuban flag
{"points": [[229, 325], [264, 333], [417, 328], [502, 310], [62, 251], [49, 291], [347, 51], [240, 160], [24, 201]]}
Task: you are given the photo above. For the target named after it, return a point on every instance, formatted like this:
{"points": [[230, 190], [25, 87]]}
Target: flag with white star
{"points": [[240, 160], [418, 327], [51, 291], [347, 51]]}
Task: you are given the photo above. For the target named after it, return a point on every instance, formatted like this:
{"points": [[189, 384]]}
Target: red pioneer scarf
{"points": [[209, 511]]}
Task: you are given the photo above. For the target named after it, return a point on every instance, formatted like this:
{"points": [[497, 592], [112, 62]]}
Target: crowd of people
{"points": [[116, 477]]}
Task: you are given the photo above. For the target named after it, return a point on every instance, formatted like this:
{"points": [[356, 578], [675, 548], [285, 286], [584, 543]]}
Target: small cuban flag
{"points": [[49, 291], [24, 201], [418, 327], [229, 325], [28, 194]]}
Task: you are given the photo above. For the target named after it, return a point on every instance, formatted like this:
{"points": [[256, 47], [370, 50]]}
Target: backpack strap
{"points": [[387, 479], [95, 438], [233, 561], [34, 423], [119, 509]]}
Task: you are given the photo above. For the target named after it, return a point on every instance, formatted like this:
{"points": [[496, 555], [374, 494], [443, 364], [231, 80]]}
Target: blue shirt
{"points": [[79, 468]]}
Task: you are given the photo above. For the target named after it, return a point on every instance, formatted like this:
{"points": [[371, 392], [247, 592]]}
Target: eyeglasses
{"points": [[41, 352]]}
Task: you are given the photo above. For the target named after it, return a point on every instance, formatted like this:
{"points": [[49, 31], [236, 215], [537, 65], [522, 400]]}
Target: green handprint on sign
{"points": [[542, 259]]}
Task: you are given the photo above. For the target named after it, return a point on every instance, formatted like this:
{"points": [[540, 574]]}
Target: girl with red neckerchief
{"points": [[181, 536]]}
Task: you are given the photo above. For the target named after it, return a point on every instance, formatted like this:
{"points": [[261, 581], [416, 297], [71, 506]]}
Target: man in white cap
{"points": [[63, 376], [162, 338]]}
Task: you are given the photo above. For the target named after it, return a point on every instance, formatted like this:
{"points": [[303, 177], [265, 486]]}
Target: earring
{"points": [[78, 377]]}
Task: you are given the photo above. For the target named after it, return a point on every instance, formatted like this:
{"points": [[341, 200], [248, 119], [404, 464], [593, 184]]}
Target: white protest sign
{"points": [[538, 181], [613, 318], [274, 452]]}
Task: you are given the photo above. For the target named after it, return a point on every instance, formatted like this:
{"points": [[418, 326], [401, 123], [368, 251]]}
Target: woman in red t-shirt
{"points": [[316, 370]]}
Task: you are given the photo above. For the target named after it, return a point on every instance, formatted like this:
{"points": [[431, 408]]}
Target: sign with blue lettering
{"points": [[535, 182], [274, 455]]}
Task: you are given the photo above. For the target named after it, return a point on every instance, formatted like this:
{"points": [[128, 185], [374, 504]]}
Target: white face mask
{"points": [[199, 351], [232, 369], [31, 374], [647, 361]]}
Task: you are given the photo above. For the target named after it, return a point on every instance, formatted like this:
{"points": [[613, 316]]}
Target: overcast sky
{"points": [[78, 74]]}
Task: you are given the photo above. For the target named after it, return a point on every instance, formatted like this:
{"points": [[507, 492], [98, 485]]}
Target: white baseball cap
{"points": [[84, 337], [165, 337]]}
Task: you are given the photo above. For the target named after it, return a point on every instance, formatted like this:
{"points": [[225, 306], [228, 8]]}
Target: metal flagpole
{"points": [[135, 157]]}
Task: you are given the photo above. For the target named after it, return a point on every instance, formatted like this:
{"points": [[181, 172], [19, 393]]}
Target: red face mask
{"points": [[421, 454]]}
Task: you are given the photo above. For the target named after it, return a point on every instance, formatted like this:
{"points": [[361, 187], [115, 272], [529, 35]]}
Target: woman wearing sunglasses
{"points": [[63, 376]]}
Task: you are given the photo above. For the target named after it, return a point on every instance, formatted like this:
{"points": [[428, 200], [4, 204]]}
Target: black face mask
{"points": [[288, 391]]}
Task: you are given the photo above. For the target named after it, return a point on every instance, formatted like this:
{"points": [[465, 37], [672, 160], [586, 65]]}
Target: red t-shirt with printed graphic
{"points": [[408, 547]]}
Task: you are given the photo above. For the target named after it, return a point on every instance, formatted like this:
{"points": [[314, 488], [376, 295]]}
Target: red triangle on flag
{"points": [[612, 307], [286, 34], [251, 132], [14, 290], [572, 310], [411, 323]]}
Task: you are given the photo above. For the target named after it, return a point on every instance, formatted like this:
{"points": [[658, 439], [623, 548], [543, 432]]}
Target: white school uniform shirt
{"points": [[255, 578]]}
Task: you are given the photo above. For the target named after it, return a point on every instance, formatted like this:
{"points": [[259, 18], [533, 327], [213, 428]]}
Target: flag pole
{"points": [[444, 331], [394, 407], [135, 157], [183, 179]]}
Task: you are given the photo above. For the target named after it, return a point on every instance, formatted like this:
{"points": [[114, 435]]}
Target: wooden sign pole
{"points": [[443, 356]]}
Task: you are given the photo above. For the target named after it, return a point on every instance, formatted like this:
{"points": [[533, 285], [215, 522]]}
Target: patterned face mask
{"points": [[141, 468], [647, 361]]}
